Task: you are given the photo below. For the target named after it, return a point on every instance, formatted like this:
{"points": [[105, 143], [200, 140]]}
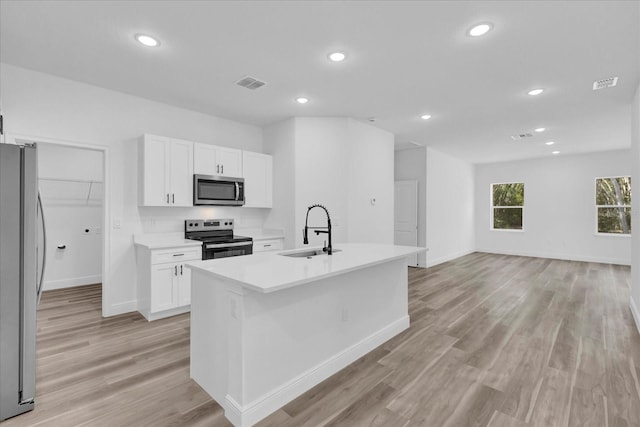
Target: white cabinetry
{"points": [[165, 171], [257, 172], [164, 282], [215, 160]]}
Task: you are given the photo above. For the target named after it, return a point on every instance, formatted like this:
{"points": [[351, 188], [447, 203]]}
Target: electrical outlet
{"points": [[345, 315], [98, 230], [117, 223]]}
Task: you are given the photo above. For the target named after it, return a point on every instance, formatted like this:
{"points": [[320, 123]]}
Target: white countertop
{"points": [[164, 241], [268, 272]]}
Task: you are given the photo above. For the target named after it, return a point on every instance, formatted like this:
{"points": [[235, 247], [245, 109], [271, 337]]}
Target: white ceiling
{"points": [[404, 59]]}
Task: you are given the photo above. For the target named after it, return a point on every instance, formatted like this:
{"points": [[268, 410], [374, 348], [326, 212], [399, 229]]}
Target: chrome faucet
{"points": [[318, 230]]}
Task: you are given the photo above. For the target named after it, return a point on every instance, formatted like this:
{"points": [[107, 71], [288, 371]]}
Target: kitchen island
{"points": [[267, 327]]}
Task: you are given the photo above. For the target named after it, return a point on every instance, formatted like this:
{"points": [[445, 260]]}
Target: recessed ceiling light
{"points": [[302, 100], [480, 29], [425, 116], [534, 92], [550, 143], [337, 56], [539, 129], [555, 152], [147, 40]]}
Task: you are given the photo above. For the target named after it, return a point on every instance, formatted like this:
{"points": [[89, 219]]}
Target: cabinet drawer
{"points": [[176, 255], [267, 245]]}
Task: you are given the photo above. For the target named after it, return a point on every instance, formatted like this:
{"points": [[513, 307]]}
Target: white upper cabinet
{"points": [[258, 179], [165, 172], [215, 160]]}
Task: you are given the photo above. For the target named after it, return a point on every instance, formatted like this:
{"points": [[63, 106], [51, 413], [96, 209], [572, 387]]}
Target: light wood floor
{"points": [[494, 341]]}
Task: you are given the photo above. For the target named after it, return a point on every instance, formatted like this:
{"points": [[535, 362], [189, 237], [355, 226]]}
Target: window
{"points": [[613, 205], [507, 204]]}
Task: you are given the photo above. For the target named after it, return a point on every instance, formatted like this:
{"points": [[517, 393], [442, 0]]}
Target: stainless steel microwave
{"points": [[218, 190]]}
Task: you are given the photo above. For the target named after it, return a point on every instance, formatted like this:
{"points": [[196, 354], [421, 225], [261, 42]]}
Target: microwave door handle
{"points": [[237, 191]]}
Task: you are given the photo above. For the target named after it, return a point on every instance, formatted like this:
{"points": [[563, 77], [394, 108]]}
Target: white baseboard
{"points": [[635, 313], [564, 257], [71, 282], [121, 308], [443, 259], [277, 398]]}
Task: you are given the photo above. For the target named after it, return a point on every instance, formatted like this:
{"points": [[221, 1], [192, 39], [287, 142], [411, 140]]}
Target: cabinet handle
{"points": [[222, 169], [173, 198], [167, 198], [178, 254], [217, 168], [181, 269], [267, 246], [175, 270]]}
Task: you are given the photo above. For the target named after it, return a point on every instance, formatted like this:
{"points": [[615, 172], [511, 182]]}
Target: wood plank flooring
{"points": [[494, 341]]}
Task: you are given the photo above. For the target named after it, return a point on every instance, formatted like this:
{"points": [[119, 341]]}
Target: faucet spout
{"points": [[325, 230]]}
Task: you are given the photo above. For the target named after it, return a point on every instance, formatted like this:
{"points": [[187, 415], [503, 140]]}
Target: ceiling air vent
{"points": [[250, 83], [521, 136], [605, 83]]}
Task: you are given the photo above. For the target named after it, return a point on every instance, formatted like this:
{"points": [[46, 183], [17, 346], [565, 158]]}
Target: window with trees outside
{"points": [[507, 205], [613, 205]]}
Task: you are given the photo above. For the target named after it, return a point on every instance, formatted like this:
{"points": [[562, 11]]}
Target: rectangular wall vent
{"points": [[250, 83], [521, 136], [605, 83]]}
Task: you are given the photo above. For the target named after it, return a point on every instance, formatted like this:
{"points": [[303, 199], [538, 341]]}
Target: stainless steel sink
{"points": [[307, 253]]}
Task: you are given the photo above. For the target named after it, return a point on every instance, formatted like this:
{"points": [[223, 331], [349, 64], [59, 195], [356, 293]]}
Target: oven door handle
{"points": [[227, 245]]}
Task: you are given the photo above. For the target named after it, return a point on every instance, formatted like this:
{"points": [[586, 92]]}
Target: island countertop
{"points": [[269, 271]]}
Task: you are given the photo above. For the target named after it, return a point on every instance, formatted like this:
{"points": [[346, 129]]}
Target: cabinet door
{"points": [[204, 159], [181, 173], [163, 287], [257, 170], [184, 285], [230, 162], [154, 176]]}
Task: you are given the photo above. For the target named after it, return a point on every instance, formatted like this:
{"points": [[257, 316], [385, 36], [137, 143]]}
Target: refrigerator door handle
{"points": [[44, 247]]}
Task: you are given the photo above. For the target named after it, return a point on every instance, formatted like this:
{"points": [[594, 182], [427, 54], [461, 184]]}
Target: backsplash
{"points": [[165, 220]]}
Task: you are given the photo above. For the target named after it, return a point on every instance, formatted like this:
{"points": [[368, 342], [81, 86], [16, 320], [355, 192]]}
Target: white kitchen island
{"points": [[266, 327]]}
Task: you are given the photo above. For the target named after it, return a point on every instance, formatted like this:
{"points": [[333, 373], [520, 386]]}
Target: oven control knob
{"points": [[190, 224]]}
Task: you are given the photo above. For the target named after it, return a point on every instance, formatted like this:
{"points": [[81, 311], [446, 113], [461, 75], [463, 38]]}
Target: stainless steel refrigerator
{"points": [[21, 271]]}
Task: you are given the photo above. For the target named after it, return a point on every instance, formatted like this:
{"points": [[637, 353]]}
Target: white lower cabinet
{"points": [[164, 281], [163, 292]]}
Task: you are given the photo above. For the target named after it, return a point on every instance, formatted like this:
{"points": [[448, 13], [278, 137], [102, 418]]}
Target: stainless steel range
{"points": [[218, 240]]}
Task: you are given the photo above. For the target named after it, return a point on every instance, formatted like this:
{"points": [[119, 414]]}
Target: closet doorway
{"points": [[74, 183], [71, 184]]}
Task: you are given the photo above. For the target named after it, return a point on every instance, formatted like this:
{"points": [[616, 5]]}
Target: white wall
{"points": [[279, 141], [71, 208], [321, 173], [412, 165], [339, 163], [635, 216], [559, 212], [37, 104], [450, 207], [370, 176]]}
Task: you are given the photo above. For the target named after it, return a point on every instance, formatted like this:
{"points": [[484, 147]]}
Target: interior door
{"points": [[406, 216]]}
